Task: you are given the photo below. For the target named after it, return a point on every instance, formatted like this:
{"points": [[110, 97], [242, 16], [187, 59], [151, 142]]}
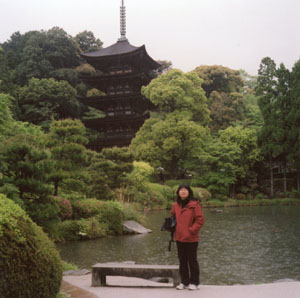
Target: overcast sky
{"points": [[189, 33]]}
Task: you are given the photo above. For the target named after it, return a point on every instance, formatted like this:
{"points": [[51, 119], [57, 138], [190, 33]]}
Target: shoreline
{"points": [[250, 203]]}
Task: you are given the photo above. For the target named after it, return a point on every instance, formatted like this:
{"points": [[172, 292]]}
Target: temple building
{"points": [[121, 70]]}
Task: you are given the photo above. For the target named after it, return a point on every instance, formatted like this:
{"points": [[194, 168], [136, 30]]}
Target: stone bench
{"points": [[101, 270]]}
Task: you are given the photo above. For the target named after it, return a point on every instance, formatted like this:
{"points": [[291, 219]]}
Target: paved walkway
{"points": [[127, 287]]}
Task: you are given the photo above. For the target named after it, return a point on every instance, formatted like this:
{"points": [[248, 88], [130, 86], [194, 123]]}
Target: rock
{"points": [[77, 272], [133, 227], [216, 211]]}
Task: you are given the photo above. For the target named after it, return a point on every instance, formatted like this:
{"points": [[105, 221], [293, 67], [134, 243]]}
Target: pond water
{"points": [[246, 245]]}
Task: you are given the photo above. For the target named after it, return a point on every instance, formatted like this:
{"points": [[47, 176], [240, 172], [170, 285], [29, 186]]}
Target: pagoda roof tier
{"points": [[110, 123], [103, 102], [102, 82], [118, 54]]}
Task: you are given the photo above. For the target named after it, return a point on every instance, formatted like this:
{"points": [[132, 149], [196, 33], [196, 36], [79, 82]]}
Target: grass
{"points": [[255, 202], [68, 266]]}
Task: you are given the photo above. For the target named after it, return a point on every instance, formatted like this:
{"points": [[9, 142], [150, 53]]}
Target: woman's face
{"points": [[183, 193]]}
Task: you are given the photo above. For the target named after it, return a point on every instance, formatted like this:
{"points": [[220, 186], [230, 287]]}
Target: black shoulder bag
{"points": [[169, 225]]}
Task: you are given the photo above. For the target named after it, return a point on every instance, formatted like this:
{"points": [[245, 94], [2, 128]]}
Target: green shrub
{"points": [[172, 183], [158, 195], [30, 264], [68, 266], [86, 228], [85, 208], [199, 193], [111, 213], [132, 212], [260, 196], [221, 197]]}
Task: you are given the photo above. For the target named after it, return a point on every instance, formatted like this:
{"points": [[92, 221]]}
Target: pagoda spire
{"points": [[122, 21]]}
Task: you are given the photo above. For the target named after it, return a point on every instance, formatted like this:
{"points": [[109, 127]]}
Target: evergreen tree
{"points": [[66, 142], [25, 169]]}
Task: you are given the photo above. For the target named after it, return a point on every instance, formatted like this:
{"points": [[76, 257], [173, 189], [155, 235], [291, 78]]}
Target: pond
{"points": [[247, 245]]}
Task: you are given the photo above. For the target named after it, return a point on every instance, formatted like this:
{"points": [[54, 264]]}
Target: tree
{"points": [[249, 82], [46, 98], [66, 141], [6, 75], [109, 171], [218, 169], [179, 93], [172, 144], [228, 160], [226, 109], [5, 113], [223, 87], [253, 114], [272, 95], [88, 42], [38, 53], [165, 66], [293, 118], [219, 78], [173, 136], [246, 140], [25, 169]]}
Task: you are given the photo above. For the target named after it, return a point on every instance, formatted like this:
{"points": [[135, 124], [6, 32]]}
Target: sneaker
{"points": [[193, 287], [181, 287]]}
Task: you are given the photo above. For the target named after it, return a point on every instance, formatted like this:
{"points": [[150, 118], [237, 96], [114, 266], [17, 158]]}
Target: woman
{"points": [[189, 220]]}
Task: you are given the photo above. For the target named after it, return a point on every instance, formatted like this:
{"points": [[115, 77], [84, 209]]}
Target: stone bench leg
{"points": [[176, 279], [103, 280], [98, 279]]}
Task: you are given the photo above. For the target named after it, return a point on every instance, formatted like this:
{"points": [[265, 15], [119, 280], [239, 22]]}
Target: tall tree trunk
{"points": [[271, 178], [284, 177], [298, 180], [232, 190]]}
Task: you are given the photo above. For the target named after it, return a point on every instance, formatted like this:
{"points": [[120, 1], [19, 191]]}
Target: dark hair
{"points": [[191, 194]]}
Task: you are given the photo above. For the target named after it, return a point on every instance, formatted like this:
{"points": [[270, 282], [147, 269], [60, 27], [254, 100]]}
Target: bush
{"points": [[204, 194], [172, 183], [111, 214], [260, 196], [131, 212], [85, 208], [30, 264], [69, 266], [199, 193], [241, 197], [89, 228], [65, 208], [158, 195]]}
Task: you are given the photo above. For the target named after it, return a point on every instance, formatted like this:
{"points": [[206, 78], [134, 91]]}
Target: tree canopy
{"points": [[43, 99], [178, 91]]}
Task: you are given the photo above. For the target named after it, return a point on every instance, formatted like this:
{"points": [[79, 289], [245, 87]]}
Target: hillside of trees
{"points": [[225, 131]]}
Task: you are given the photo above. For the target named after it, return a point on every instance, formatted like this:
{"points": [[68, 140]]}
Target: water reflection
{"points": [[238, 246]]}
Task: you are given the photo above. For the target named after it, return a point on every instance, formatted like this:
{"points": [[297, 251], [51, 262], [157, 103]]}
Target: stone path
{"points": [[127, 287]]}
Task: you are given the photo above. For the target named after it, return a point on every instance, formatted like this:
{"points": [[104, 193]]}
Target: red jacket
{"points": [[189, 221]]}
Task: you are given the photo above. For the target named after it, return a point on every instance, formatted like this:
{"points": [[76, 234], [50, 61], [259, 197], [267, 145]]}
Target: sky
{"points": [[189, 33]]}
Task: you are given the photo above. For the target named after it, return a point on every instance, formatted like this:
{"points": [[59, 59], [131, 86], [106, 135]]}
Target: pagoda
{"points": [[121, 70]]}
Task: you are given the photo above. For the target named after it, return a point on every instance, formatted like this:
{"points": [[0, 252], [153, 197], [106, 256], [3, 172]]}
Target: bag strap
{"points": [[172, 239]]}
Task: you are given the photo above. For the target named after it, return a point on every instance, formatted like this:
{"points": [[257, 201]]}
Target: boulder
{"points": [[133, 227]]}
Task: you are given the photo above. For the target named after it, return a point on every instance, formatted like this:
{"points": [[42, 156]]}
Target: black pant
{"points": [[188, 264]]}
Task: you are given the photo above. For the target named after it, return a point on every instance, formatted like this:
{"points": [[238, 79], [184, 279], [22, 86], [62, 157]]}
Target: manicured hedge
{"points": [[30, 265]]}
